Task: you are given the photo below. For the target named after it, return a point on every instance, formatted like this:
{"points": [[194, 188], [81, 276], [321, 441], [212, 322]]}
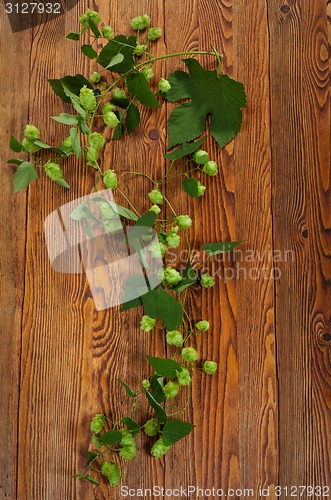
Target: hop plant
{"points": [[140, 22], [148, 72], [210, 168], [118, 93], [112, 226], [112, 472], [106, 211], [159, 449], [175, 338], [206, 280], [108, 108], [171, 276], [152, 427], [67, 143], [95, 77], [96, 140], [184, 221], [110, 179], [201, 189], [173, 240], [189, 354], [87, 99], [170, 390], [154, 33], [155, 209], [92, 156], [128, 452], [92, 14], [31, 132], [97, 423], [145, 384], [156, 196], [164, 85], [127, 439], [110, 119], [140, 49], [53, 171], [107, 32], [210, 367], [29, 147], [200, 157], [183, 377], [202, 325], [157, 249], [147, 323]]}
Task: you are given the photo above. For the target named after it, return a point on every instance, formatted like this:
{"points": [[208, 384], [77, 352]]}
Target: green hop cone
{"points": [[110, 179], [140, 22], [92, 14], [173, 240], [31, 132], [175, 229], [164, 85], [112, 472], [201, 189], [147, 323], [95, 77], [28, 146], [92, 156], [53, 171], [202, 325], [106, 211], [127, 439], [171, 390], [85, 22], [148, 72], [97, 423], [183, 377], [67, 143], [145, 384], [171, 276], [112, 226], [154, 33], [155, 209], [107, 32], [87, 99], [108, 108], [184, 221], [206, 280], [200, 157], [128, 452], [156, 196], [210, 168], [110, 119], [189, 354], [118, 93], [152, 427], [157, 249], [96, 140], [175, 338], [140, 49], [210, 367], [159, 449]]}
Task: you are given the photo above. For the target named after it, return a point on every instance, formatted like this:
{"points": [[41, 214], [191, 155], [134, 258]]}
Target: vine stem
{"points": [[128, 201]]}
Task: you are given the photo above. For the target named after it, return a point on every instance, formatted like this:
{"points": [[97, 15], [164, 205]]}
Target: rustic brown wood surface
{"points": [[265, 418]]}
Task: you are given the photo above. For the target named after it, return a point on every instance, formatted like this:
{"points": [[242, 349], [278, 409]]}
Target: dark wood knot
{"points": [[285, 9], [305, 233], [153, 134]]}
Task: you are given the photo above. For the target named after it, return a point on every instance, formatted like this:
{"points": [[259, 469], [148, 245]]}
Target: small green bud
{"points": [[184, 221], [107, 211], [183, 377], [189, 354], [210, 168], [110, 179], [106, 468], [108, 108], [96, 140], [140, 22], [31, 132], [155, 209], [84, 21], [145, 384], [53, 171], [147, 323], [173, 240], [97, 423], [174, 229], [156, 196], [92, 14], [206, 280], [87, 99], [111, 119], [67, 143], [171, 276], [118, 93], [107, 32], [92, 156], [148, 72], [152, 427], [202, 325], [28, 146], [140, 49], [170, 390], [157, 249], [159, 449], [112, 472], [210, 367], [175, 338], [200, 157], [128, 452], [112, 226], [164, 85], [201, 189], [154, 33], [95, 77]]}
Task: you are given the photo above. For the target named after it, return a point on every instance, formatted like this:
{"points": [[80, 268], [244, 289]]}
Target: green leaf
{"points": [[159, 303], [73, 35], [89, 51], [188, 278], [92, 480], [15, 145], [219, 247], [78, 213], [118, 44], [118, 58], [66, 118], [96, 441], [63, 183], [124, 212], [121, 103], [130, 304], [138, 86], [110, 437], [219, 96], [164, 367], [24, 174], [72, 83], [88, 230], [131, 425], [127, 389], [15, 161], [147, 219], [75, 142], [94, 28], [132, 118], [184, 149], [156, 388], [83, 127], [91, 456], [190, 186], [160, 413], [174, 430], [118, 132]]}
